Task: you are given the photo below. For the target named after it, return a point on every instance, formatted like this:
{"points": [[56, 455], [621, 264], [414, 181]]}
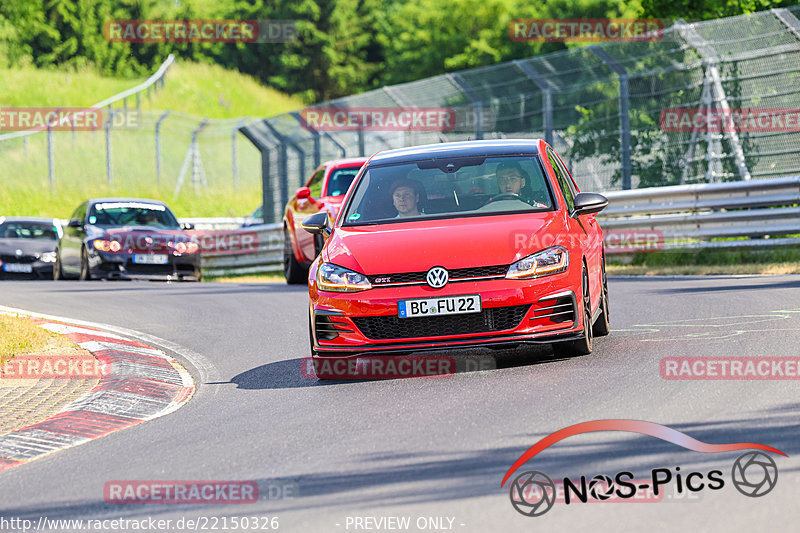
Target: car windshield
{"points": [[449, 188], [132, 214], [340, 180], [28, 230]]}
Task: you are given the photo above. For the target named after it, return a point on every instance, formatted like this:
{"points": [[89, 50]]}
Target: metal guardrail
{"points": [[251, 250], [710, 215]]}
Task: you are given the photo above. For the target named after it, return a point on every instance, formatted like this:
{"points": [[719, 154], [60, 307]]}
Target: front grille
{"points": [[488, 320], [456, 273], [8, 258]]}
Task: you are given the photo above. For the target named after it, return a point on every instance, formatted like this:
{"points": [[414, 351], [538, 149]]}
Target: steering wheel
{"points": [[504, 196]]}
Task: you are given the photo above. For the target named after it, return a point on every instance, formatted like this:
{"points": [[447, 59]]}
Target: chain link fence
{"points": [[601, 106], [200, 166]]}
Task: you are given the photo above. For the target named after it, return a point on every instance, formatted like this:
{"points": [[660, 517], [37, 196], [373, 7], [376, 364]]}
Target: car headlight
{"points": [[550, 261], [334, 278], [49, 257], [185, 247], [107, 246]]}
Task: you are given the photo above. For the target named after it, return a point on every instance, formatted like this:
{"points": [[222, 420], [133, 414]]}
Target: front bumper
{"points": [[538, 311], [122, 266], [39, 270]]}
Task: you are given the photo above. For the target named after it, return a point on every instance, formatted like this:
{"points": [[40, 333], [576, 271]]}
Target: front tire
{"points": [[582, 346], [293, 271], [58, 269], [86, 274]]}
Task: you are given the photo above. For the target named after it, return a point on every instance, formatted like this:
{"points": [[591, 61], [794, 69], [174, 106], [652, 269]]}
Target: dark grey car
{"points": [[27, 247]]}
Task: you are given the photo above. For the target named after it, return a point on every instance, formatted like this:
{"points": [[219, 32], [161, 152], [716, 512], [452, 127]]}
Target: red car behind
{"points": [[323, 192], [481, 243]]}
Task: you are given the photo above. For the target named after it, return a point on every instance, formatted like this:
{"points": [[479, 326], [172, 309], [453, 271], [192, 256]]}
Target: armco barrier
{"points": [[734, 214], [250, 250]]}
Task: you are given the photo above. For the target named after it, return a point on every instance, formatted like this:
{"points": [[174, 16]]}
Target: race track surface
{"points": [[431, 447]]}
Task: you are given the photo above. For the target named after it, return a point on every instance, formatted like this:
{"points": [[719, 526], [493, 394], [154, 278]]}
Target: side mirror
{"points": [[316, 223], [74, 223], [587, 203], [303, 193], [186, 226]]}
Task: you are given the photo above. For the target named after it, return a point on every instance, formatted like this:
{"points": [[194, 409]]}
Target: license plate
{"points": [[446, 305], [19, 268], [154, 259]]}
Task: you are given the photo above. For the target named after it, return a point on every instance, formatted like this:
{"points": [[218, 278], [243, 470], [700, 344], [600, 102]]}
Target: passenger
{"points": [[405, 197]]}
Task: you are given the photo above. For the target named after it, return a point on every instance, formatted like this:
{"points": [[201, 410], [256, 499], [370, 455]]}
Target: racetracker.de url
{"points": [[199, 523]]}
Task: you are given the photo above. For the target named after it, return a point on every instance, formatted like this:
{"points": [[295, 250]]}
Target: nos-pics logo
{"points": [[533, 493]]}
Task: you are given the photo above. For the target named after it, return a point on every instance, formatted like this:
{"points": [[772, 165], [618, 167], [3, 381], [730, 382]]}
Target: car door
{"points": [[304, 207], [71, 242], [588, 227]]}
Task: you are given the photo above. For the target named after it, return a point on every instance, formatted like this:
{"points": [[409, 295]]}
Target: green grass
{"points": [[198, 89], [711, 256], [191, 91]]}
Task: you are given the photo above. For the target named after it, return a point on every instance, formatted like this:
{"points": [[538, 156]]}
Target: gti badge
{"points": [[437, 277]]}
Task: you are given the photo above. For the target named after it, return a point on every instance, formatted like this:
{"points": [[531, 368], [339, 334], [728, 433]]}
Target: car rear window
{"points": [[340, 180], [449, 188]]}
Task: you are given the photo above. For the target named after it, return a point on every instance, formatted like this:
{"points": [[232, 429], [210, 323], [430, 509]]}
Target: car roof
{"points": [[347, 162], [458, 149], [137, 200], [46, 220]]}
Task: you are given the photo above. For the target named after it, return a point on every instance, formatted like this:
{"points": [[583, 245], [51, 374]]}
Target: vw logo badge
{"points": [[19, 253], [437, 277]]}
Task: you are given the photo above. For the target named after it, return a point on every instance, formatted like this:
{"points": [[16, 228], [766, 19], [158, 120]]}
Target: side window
{"points": [[80, 213], [570, 180], [563, 180], [316, 183]]}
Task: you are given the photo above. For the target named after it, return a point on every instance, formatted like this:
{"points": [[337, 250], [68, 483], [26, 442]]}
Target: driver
{"points": [[149, 218], [511, 179]]}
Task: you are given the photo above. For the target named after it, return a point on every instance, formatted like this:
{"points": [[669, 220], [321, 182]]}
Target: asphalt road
{"points": [[431, 447]]}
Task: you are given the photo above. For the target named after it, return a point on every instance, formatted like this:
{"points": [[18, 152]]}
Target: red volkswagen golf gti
{"points": [[469, 244]]}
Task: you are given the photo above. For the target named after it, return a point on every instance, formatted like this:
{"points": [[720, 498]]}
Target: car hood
{"points": [[452, 243], [28, 246]]}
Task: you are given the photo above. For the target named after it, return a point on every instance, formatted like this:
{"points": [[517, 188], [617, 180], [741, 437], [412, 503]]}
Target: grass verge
{"points": [[704, 270], [19, 335], [275, 277], [764, 260]]}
